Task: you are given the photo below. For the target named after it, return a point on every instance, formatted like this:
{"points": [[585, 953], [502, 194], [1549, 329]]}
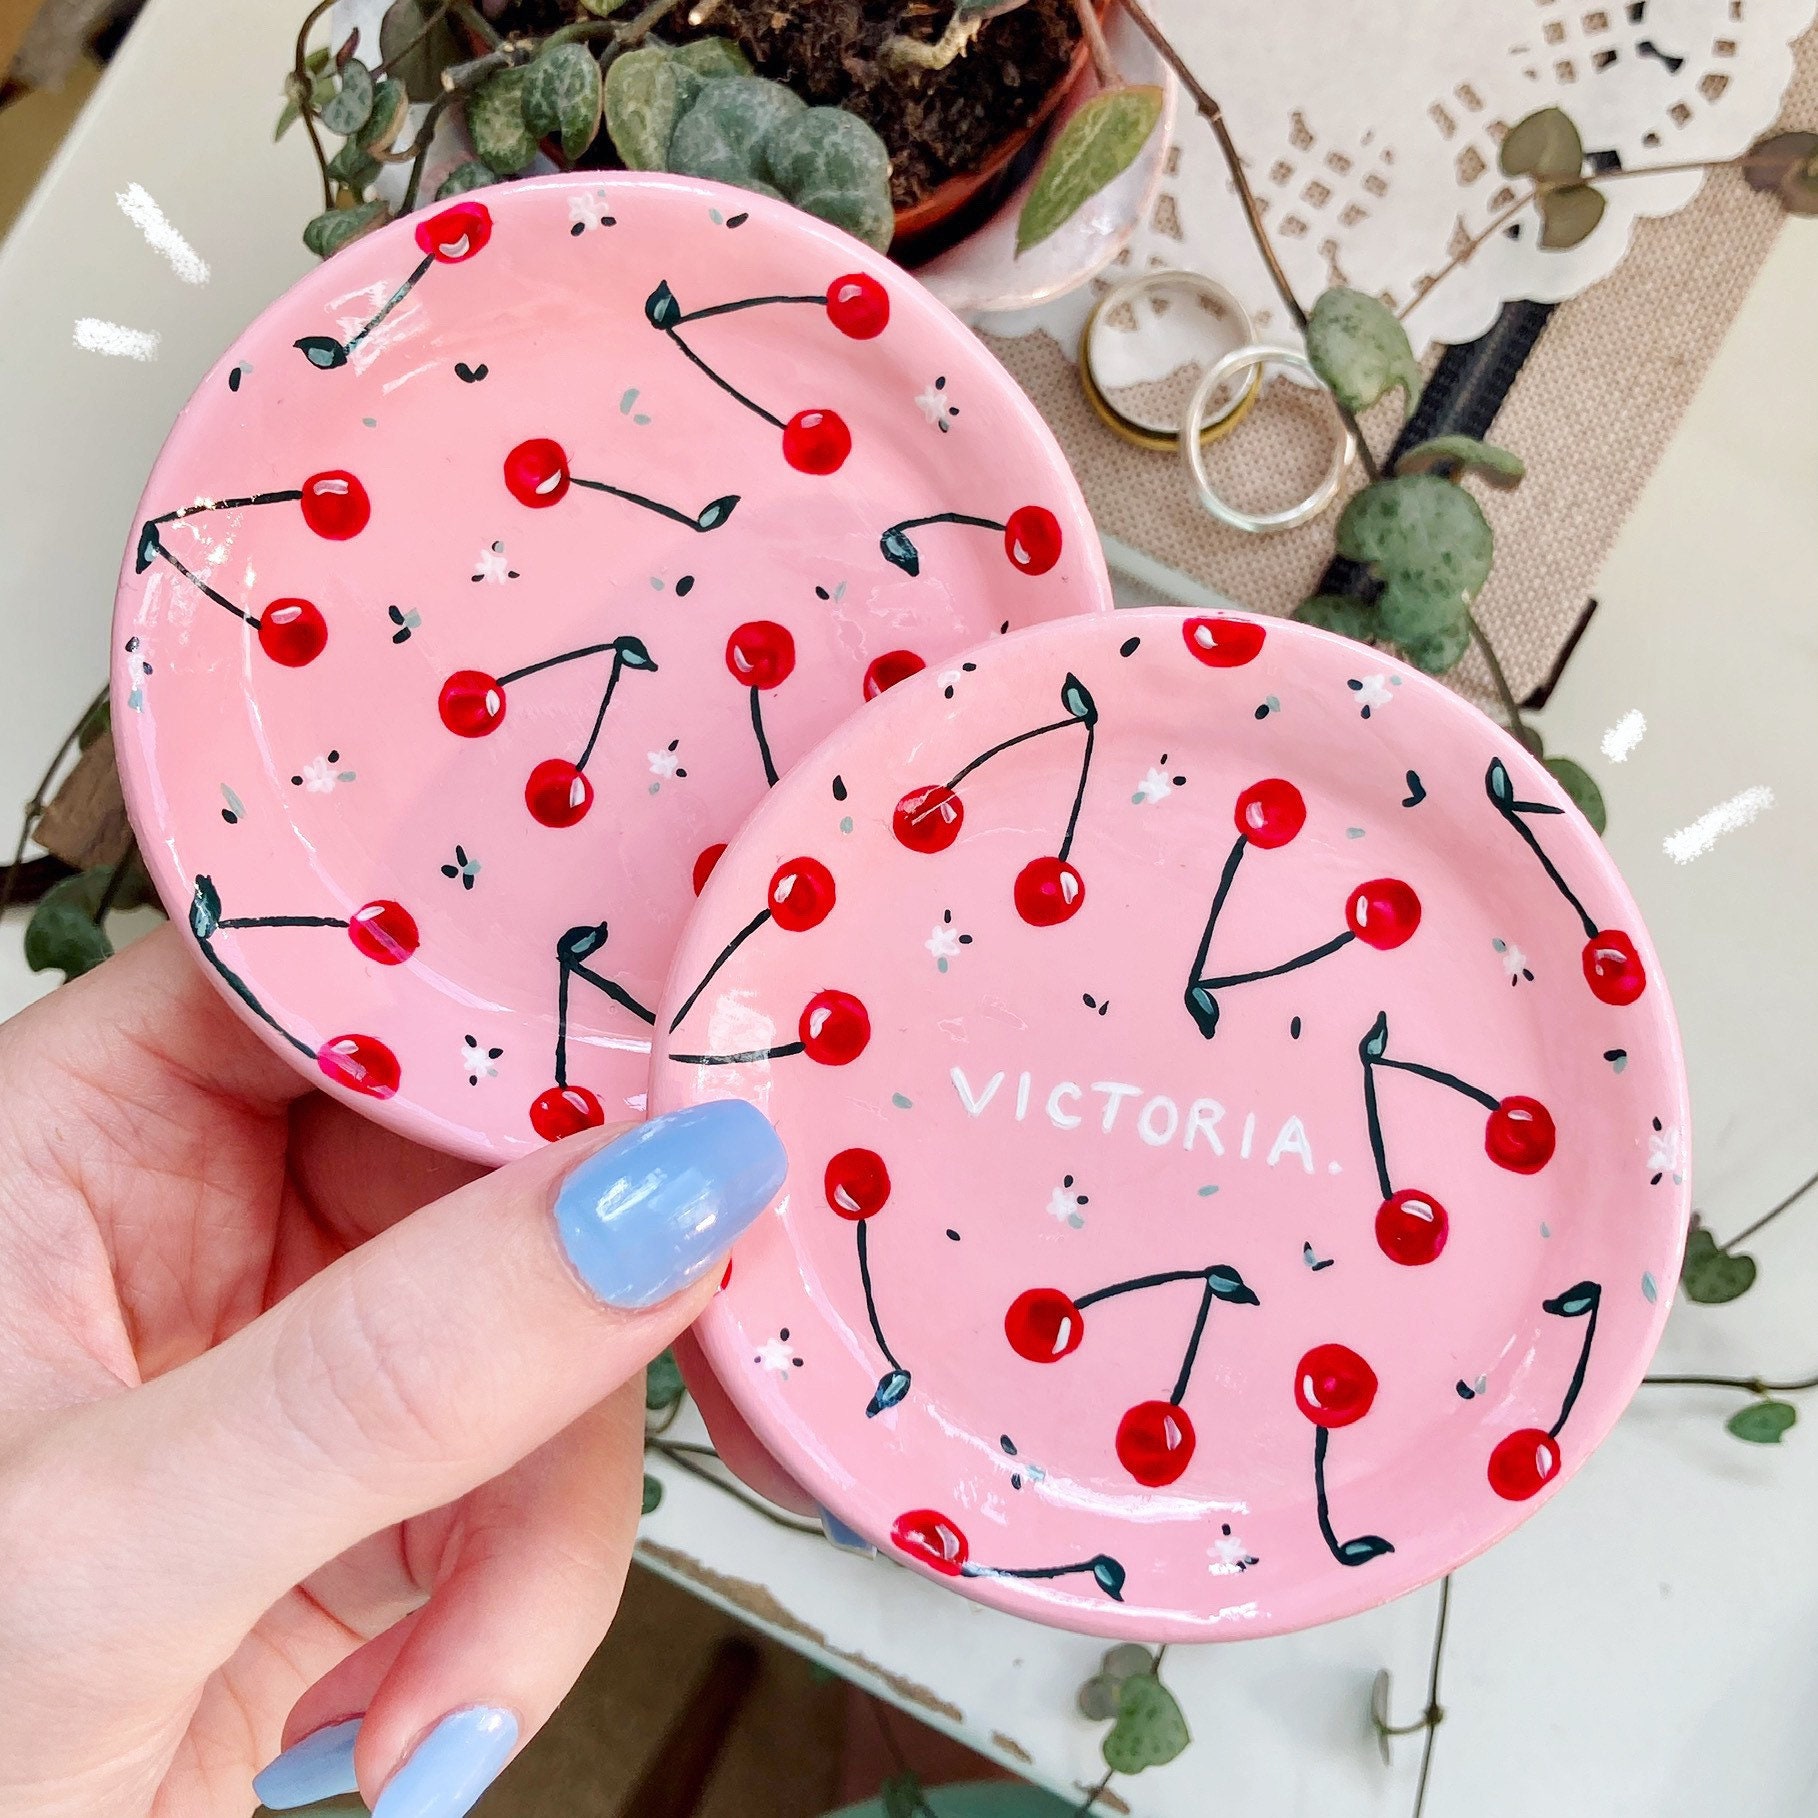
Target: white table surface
{"points": [[1645, 1646]]}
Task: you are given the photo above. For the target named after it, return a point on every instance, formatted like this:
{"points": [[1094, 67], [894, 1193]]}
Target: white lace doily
{"points": [[1370, 135]]}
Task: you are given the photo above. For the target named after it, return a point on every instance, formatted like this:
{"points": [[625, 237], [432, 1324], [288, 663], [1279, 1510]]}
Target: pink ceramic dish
{"points": [[491, 576], [1236, 1126]]}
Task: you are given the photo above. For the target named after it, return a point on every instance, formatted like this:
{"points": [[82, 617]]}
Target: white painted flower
{"points": [[491, 565], [1066, 1206], [937, 408], [320, 776], [1372, 691], [581, 207], [1666, 1151], [943, 943], [480, 1063], [663, 763], [1229, 1554], [774, 1354], [1157, 786], [1514, 961]]}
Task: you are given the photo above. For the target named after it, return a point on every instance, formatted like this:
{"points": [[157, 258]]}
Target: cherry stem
{"points": [[985, 757], [763, 744], [970, 1570], [567, 656], [244, 992], [737, 1060], [599, 719], [284, 921], [724, 954], [1226, 878], [725, 385], [1792, 1199], [288, 495], [1079, 795], [1199, 1331], [945, 517], [637, 498], [1321, 1437], [392, 302], [612, 989], [864, 1263], [1450, 1080], [1512, 813], [726, 309], [201, 586], [1139, 1283], [1577, 1382], [1374, 1119], [1300, 959]]}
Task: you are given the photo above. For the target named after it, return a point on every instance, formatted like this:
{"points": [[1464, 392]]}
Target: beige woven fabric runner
{"points": [[1591, 414]]}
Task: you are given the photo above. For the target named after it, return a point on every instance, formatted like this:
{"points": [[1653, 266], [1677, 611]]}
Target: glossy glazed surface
{"points": [[493, 574], [1237, 1126]]}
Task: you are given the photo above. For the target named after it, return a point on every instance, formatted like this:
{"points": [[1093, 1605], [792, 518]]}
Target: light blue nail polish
{"points": [[318, 1767], [658, 1208], [848, 1540], [445, 1774]]}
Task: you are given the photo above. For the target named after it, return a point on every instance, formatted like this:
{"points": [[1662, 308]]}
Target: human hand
{"points": [[297, 1417]]}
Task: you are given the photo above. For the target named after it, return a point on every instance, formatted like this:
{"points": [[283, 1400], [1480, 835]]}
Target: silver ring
{"points": [[1265, 522]]}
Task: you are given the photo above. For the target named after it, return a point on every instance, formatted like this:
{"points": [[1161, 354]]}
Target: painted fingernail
{"points": [[445, 1774], [657, 1209], [318, 1767], [848, 1540]]}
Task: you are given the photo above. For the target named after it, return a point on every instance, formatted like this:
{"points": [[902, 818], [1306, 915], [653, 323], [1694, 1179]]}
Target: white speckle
{"points": [[1697, 839], [1156, 786], [139, 208], [1333, 1167], [1620, 741], [115, 338]]}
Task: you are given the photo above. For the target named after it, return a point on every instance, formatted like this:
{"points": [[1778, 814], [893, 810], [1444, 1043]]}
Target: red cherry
{"points": [[858, 305], [927, 1535], [928, 819], [761, 654], [292, 632], [1032, 539], [1523, 1462], [384, 931], [536, 472], [834, 1028], [471, 703], [1270, 813], [457, 233], [816, 441], [801, 895], [563, 1111], [558, 793], [361, 1063], [335, 505], [1155, 1442], [1222, 643], [1383, 913], [1334, 1386], [1043, 1325], [1048, 891], [1411, 1227], [704, 863], [1520, 1135], [857, 1183], [1613, 969], [892, 667]]}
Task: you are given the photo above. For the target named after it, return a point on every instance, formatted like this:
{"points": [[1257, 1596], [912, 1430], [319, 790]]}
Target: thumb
{"points": [[415, 1368]]}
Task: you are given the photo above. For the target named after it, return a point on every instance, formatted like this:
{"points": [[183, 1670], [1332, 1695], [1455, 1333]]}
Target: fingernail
{"points": [[658, 1208], [445, 1774], [318, 1767], [848, 1540]]}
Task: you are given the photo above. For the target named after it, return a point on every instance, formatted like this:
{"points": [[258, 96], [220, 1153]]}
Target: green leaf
{"points": [[602, 9], [418, 66], [1712, 1277], [1422, 533], [321, 89], [204, 909], [1094, 148], [722, 134], [867, 217], [328, 233], [1126, 1659], [634, 653], [96, 721], [353, 165], [1150, 1730], [1439, 650], [562, 97], [1410, 615], [350, 106], [832, 164], [1544, 144], [1077, 700], [1360, 350], [1451, 457], [1339, 613], [1579, 1300], [390, 109], [663, 1385], [653, 1493], [714, 59], [646, 93], [901, 1796], [1762, 1423], [661, 310], [984, 9], [1568, 215], [1376, 1043], [1227, 1285], [1581, 786], [62, 935], [1097, 1697], [495, 122], [474, 174]]}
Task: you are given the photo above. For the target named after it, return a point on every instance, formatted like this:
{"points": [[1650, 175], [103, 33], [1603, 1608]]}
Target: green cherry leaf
{"points": [[1227, 1285], [1150, 1730], [663, 1385], [149, 545], [653, 1494], [891, 1389], [1077, 701], [1376, 1044], [1202, 1006], [1362, 1549], [900, 551], [1094, 148], [326, 235], [562, 97], [646, 93], [1451, 457], [1543, 144], [416, 44], [1569, 215], [1109, 1577], [1710, 1276], [204, 909], [712, 516], [1097, 1698], [1360, 350], [1575, 1302], [322, 351], [1498, 785], [1422, 533], [661, 310], [1762, 1423], [474, 174], [721, 136], [495, 123], [1581, 786], [714, 59], [1337, 613], [634, 654], [350, 106]]}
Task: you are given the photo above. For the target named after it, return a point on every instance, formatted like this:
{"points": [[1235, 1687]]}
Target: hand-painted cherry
{"points": [[384, 931], [564, 1111], [1044, 1326], [1383, 913], [471, 703], [858, 306], [558, 793], [1520, 1135], [1048, 891], [1411, 1227], [536, 472], [705, 860], [857, 1183], [1223, 643], [1334, 1386], [292, 632], [834, 1028], [361, 1063], [1613, 968], [928, 1536], [1523, 1463], [801, 895], [928, 819], [1155, 1442], [1032, 539], [456, 233], [1270, 813], [761, 653], [335, 505], [892, 667], [816, 441]]}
